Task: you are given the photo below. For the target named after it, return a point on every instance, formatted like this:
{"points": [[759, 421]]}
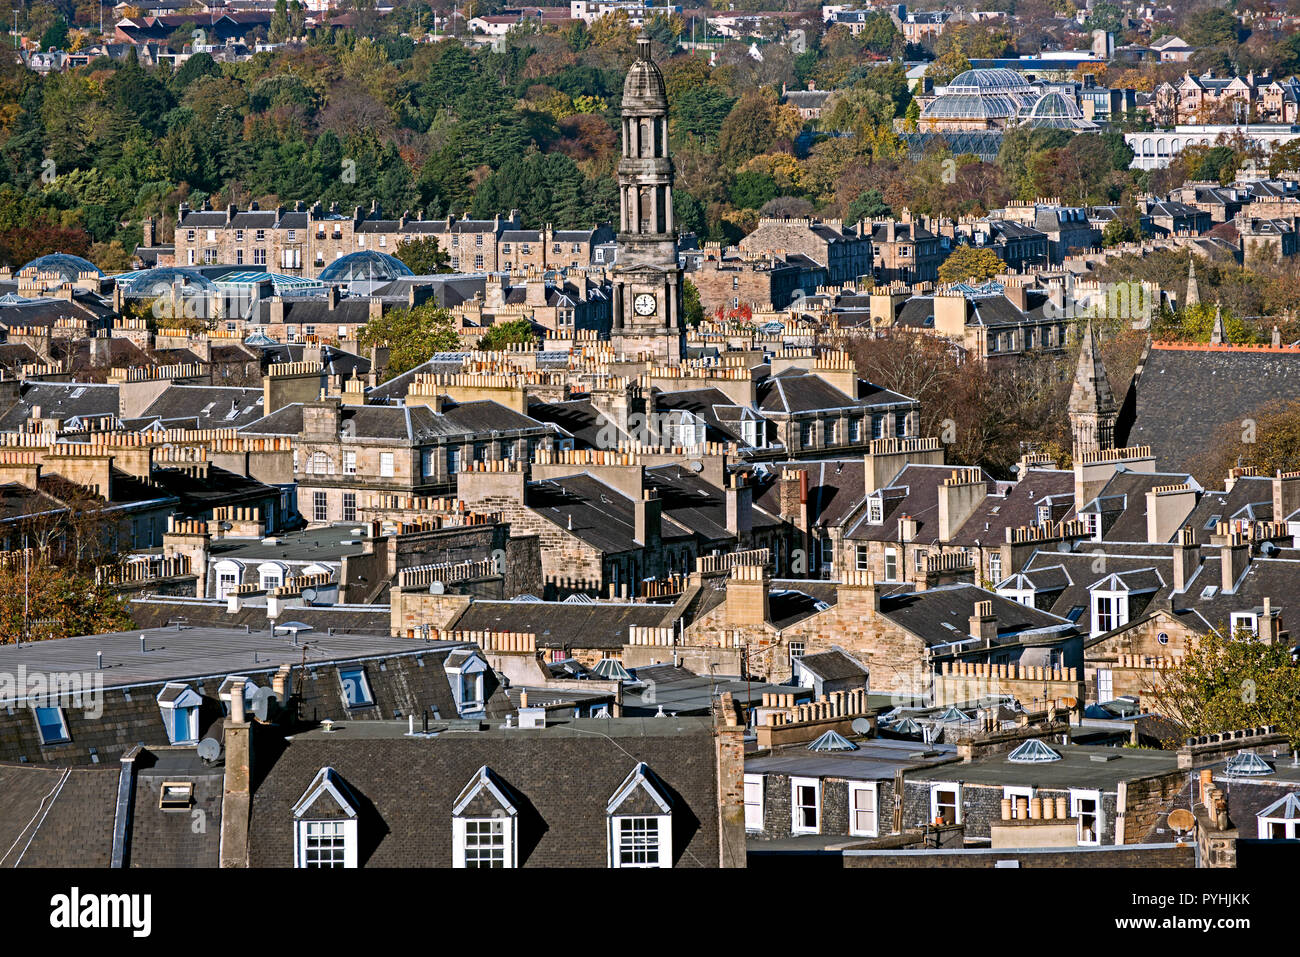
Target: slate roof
{"points": [[559, 779], [414, 424], [57, 816], [1184, 396], [205, 407], [1122, 504], [835, 487], [564, 625], [833, 666], [803, 392], [941, 615], [64, 400], [915, 492]]}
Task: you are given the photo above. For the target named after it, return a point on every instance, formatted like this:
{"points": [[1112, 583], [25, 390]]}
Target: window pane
{"points": [[485, 843], [324, 844], [638, 842]]}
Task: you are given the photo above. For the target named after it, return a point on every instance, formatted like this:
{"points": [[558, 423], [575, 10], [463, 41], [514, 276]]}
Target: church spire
{"points": [[1092, 403], [1193, 290], [1217, 338]]}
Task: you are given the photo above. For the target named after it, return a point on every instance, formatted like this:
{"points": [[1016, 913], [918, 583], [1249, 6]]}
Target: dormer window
{"points": [[179, 704], [484, 824], [325, 823], [1109, 606], [876, 510], [356, 689], [640, 822], [1245, 622], [467, 673]]}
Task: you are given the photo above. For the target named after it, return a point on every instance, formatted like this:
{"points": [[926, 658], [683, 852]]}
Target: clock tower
{"points": [[648, 313]]}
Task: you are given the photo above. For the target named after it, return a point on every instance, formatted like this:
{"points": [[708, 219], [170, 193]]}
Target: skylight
{"points": [[1247, 764], [1033, 751], [832, 741]]}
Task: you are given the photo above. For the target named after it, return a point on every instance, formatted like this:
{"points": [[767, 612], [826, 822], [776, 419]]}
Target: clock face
{"points": [[644, 304]]}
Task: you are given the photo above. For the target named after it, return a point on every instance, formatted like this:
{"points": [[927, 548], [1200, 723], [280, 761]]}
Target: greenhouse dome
{"points": [[369, 266], [981, 98], [68, 266], [1056, 111]]}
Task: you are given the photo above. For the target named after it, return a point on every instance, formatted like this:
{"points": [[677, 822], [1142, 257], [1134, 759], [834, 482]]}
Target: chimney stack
{"points": [[1187, 558], [984, 624], [1234, 559]]}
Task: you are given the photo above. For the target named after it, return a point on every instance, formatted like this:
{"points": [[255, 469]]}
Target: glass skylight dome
{"points": [[1247, 764], [832, 741], [162, 280], [1033, 751], [367, 266], [68, 266]]}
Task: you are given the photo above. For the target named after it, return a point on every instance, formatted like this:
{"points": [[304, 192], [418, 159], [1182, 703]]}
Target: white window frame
{"points": [[754, 804], [1265, 829], [387, 465], [347, 830], [1244, 621], [891, 563], [349, 462], [935, 789], [1018, 792], [796, 825], [858, 787], [460, 840], [663, 842], [1084, 794]]}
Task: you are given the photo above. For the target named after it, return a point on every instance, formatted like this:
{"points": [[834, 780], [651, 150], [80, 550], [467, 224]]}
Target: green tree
{"points": [[869, 205], [691, 303], [412, 335], [503, 334], [1227, 682], [59, 603], [424, 256], [751, 190], [969, 264]]}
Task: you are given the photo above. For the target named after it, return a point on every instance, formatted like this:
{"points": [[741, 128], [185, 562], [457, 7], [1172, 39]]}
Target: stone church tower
{"points": [[648, 314], [1092, 404]]}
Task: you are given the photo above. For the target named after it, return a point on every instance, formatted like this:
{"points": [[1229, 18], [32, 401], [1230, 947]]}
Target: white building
{"points": [[1154, 149]]}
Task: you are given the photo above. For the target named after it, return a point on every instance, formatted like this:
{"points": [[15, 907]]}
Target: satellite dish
{"points": [[209, 749], [309, 595], [861, 725], [1269, 549], [261, 700], [1014, 469], [1182, 820], [1070, 701], [697, 466], [437, 588]]}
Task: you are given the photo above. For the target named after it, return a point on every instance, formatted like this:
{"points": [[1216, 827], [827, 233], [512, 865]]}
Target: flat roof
{"points": [[1076, 769], [180, 653], [876, 759], [556, 727]]}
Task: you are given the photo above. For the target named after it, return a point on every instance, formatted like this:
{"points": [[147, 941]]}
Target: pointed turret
{"points": [[1217, 338], [1092, 403], [1193, 290]]}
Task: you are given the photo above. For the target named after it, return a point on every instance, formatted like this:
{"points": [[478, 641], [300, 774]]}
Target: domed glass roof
{"points": [[990, 81], [161, 280], [982, 95], [366, 266], [1056, 111], [70, 267]]}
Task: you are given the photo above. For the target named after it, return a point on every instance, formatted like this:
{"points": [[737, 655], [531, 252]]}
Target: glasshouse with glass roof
{"points": [[980, 99]]}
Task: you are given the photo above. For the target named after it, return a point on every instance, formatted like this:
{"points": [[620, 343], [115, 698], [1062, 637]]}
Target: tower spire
{"points": [[1092, 403]]}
